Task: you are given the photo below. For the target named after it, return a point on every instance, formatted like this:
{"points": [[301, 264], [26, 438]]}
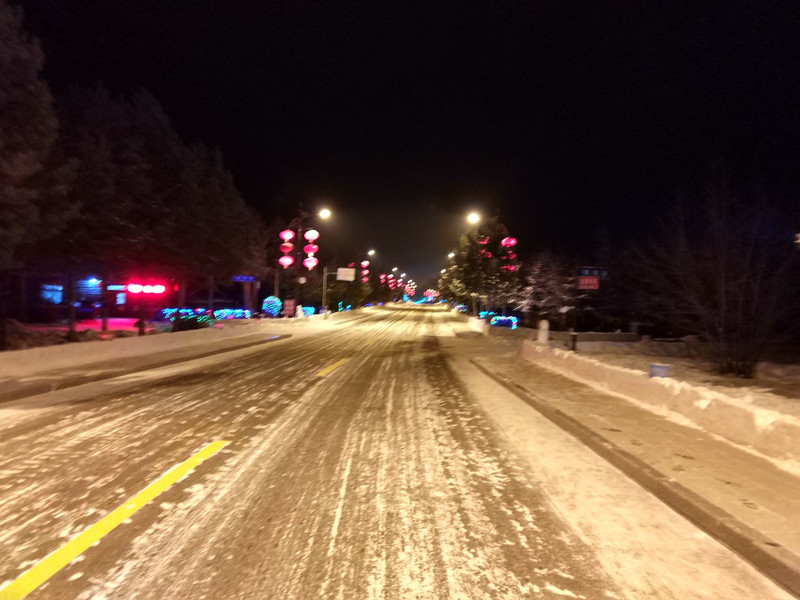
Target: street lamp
{"points": [[473, 218], [371, 253], [394, 269], [451, 255], [296, 229]]}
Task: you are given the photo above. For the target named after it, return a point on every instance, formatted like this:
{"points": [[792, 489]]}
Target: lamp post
{"points": [[296, 229]]}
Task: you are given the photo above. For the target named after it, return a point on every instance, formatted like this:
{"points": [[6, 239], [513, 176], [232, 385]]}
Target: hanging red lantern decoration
{"points": [[310, 262], [311, 249], [285, 261], [286, 235], [311, 235]]}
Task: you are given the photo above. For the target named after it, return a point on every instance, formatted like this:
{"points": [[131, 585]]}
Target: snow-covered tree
{"points": [[549, 288]]}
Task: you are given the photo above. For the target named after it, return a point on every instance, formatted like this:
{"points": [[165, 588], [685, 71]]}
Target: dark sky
{"points": [[564, 118]]}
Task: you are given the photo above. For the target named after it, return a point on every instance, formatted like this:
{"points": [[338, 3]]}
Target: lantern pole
{"points": [[325, 290]]}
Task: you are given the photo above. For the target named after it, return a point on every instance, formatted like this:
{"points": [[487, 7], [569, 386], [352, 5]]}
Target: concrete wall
{"points": [[769, 431]]}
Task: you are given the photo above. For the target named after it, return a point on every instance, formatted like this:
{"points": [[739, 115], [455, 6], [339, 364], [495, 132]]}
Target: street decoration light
{"points": [[138, 288], [473, 218], [272, 306], [364, 271], [312, 235], [324, 213], [286, 247]]}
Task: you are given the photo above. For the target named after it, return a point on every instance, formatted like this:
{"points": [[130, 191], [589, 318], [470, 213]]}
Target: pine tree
{"points": [[28, 130]]}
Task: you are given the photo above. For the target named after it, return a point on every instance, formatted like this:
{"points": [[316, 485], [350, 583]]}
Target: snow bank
{"points": [[736, 419], [476, 324], [17, 363]]}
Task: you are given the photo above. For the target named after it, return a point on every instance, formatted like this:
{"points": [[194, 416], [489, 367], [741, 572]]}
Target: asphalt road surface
{"points": [[362, 464]]}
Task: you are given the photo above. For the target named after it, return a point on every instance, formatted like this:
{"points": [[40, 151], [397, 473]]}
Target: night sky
{"points": [[563, 118]]}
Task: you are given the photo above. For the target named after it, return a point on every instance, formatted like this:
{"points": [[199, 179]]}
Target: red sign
{"points": [[588, 282]]}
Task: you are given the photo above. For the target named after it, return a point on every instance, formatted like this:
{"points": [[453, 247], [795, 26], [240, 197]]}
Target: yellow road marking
{"points": [[57, 560], [324, 371]]}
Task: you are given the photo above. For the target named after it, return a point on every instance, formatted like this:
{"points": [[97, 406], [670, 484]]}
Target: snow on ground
{"points": [[650, 551], [762, 392]]}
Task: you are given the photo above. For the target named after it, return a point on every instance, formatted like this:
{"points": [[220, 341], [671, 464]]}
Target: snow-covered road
{"points": [[384, 477]]}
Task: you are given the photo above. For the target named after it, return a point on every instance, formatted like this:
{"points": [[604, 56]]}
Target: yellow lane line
{"points": [[57, 560], [322, 373]]}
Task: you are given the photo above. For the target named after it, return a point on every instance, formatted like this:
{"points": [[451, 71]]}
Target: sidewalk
{"points": [[743, 500]]}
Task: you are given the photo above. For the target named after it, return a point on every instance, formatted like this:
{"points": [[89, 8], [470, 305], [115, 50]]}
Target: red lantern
{"points": [[311, 249], [310, 262], [483, 241], [507, 242], [364, 264], [285, 261], [286, 235], [286, 247], [364, 279], [311, 235]]}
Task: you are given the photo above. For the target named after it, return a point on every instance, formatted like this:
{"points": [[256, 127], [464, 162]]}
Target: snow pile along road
{"points": [[738, 419]]}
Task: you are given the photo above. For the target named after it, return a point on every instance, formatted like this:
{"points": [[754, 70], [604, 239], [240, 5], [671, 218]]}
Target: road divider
{"points": [[57, 560], [322, 373]]}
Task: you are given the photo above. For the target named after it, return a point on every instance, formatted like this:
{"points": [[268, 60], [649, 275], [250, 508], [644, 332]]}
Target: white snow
{"points": [[650, 551], [749, 416]]}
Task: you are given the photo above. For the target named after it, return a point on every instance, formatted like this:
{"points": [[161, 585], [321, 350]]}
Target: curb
{"points": [[35, 389], [776, 562]]}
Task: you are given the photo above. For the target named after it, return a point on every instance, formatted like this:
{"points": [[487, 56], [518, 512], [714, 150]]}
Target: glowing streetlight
{"points": [[394, 269], [451, 255], [443, 271], [324, 213], [371, 253], [402, 274], [473, 218]]}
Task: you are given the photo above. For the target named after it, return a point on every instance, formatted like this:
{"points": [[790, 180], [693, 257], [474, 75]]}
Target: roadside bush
{"points": [[188, 323]]}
